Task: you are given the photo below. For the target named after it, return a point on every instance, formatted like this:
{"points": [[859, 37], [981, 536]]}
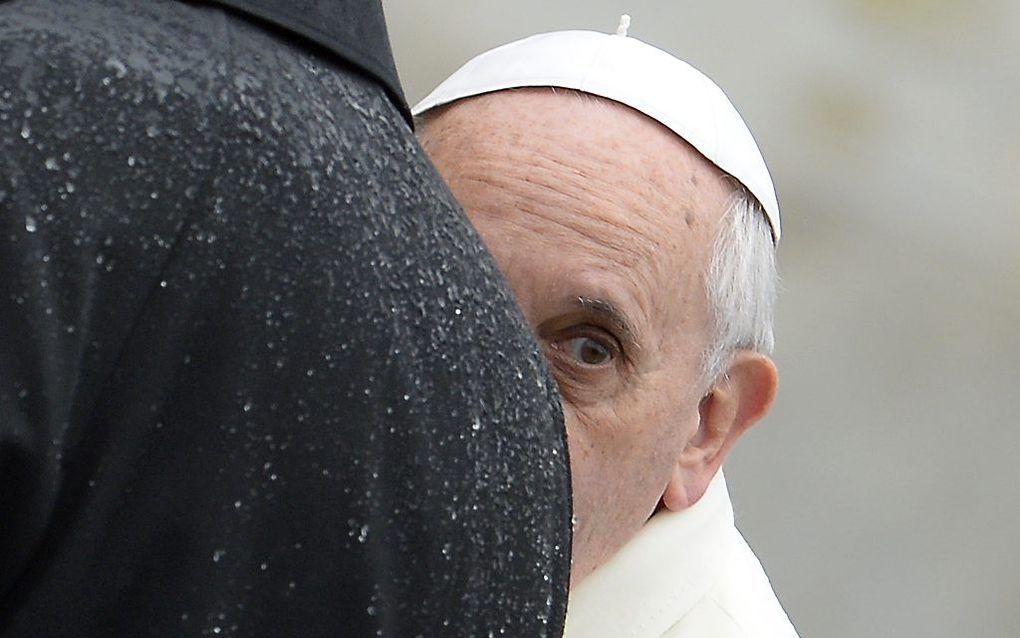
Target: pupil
{"points": [[592, 352]]}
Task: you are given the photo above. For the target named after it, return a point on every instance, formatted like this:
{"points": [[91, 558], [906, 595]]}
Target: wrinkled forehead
{"points": [[614, 190], [592, 138]]}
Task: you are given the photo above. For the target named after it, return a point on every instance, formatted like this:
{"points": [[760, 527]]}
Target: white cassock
{"points": [[687, 574]]}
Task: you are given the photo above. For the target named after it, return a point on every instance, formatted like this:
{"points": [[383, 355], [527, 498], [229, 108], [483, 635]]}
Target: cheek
{"points": [[583, 453], [626, 451], [615, 461]]}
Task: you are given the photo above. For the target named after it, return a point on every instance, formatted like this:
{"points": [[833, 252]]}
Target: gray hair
{"points": [[741, 285]]}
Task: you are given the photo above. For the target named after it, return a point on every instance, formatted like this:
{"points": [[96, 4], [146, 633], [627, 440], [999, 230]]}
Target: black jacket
{"points": [[258, 376]]}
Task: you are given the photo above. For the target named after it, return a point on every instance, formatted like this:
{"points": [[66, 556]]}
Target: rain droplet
{"points": [[26, 132], [218, 554], [131, 160], [117, 66], [30, 225]]}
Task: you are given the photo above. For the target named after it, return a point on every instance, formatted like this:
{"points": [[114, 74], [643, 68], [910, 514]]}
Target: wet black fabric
{"points": [[355, 30], [258, 376]]}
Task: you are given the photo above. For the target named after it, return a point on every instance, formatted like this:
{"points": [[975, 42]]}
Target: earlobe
{"points": [[728, 410], [675, 497]]}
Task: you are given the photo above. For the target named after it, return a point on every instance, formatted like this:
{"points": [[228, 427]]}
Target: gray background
{"points": [[882, 493]]}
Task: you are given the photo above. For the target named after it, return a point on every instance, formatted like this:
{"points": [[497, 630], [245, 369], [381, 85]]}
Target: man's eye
{"points": [[588, 351]]}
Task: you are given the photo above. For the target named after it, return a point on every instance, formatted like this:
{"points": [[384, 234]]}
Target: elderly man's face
{"points": [[602, 221]]}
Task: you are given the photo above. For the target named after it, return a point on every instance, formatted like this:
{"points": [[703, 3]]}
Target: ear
{"points": [[741, 397]]}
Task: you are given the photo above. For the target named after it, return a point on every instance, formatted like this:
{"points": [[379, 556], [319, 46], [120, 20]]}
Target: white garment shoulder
{"points": [[686, 574]]}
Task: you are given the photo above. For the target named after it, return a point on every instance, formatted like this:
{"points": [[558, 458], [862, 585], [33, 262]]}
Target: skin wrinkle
{"points": [[624, 233], [488, 152], [607, 258], [641, 196], [627, 247]]}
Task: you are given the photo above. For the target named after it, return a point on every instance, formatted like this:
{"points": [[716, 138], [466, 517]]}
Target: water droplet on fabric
{"points": [[117, 67]]}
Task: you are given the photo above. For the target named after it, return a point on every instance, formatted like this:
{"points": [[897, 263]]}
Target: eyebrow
{"points": [[611, 314]]}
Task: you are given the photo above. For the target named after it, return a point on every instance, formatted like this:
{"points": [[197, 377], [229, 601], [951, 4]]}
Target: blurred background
{"points": [[883, 491]]}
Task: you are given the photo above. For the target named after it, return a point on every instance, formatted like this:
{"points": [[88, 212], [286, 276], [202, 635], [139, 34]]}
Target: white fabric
{"points": [[686, 574], [626, 70]]}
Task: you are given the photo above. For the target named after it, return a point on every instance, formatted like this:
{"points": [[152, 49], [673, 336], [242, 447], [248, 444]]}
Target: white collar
{"points": [[665, 569]]}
